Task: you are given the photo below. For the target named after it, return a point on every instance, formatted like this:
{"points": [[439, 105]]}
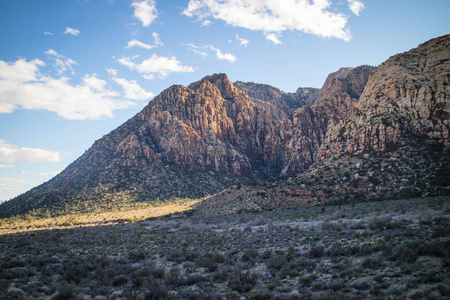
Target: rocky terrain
{"points": [[392, 143], [368, 132]]}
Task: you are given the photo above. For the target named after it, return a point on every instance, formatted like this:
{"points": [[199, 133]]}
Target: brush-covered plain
{"points": [[378, 250]]}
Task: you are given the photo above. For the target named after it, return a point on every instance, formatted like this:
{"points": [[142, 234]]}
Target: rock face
{"points": [[407, 97], [392, 143], [292, 145], [287, 102], [188, 142], [197, 140]]}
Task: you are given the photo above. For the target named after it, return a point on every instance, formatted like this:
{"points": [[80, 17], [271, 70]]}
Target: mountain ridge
{"points": [[200, 139]]}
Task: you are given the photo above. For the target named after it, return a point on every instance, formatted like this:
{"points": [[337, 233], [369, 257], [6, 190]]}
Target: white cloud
{"points": [[273, 38], [155, 65], [10, 154], [197, 49], [23, 86], [158, 41], [111, 72], [307, 16], [223, 56], [145, 11], [136, 43], [133, 90], [48, 33], [355, 6], [243, 42], [71, 31], [201, 50], [206, 23], [61, 63]]}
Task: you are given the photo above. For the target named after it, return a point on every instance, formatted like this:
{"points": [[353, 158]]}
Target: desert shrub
{"points": [[208, 263], [192, 279], [211, 261], [250, 254], [65, 291], [316, 251], [434, 248], [242, 281], [157, 272], [120, 280], [74, 272], [174, 278], [155, 290], [405, 253], [276, 262], [15, 293], [288, 270], [371, 263], [137, 255]]}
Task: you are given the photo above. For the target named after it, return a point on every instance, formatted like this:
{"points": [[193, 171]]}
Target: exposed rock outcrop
{"points": [[365, 133], [407, 97], [393, 143], [287, 102], [292, 145], [187, 142]]}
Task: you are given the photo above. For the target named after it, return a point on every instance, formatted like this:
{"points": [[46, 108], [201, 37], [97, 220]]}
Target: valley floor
{"points": [[397, 249]]}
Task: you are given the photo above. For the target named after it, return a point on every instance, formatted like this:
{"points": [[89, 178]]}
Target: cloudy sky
{"points": [[71, 71]]}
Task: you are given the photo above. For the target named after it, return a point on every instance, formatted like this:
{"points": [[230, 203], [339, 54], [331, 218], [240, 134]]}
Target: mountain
{"points": [[367, 132], [292, 145], [392, 143]]}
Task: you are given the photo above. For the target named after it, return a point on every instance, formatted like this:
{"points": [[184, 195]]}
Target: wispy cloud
{"points": [[223, 56], [206, 23], [145, 11], [243, 42], [135, 43], [48, 33], [111, 72], [71, 31], [10, 154], [273, 38], [155, 66], [355, 6], [61, 63], [22, 86], [313, 17], [133, 90], [203, 51]]}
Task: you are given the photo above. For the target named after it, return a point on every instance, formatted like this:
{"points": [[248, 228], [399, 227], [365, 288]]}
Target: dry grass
{"points": [[10, 226]]}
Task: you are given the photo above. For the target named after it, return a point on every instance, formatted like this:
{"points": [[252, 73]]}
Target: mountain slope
{"points": [[393, 143], [366, 133], [187, 142], [292, 145]]}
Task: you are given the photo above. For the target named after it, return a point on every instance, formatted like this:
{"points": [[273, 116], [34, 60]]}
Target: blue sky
{"points": [[71, 71]]}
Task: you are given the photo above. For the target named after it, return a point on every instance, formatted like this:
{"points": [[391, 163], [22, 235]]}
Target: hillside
{"points": [[366, 131], [187, 142], [392, 143]]}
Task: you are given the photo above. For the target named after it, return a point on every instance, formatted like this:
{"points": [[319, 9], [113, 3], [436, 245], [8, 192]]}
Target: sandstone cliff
{"points": [[407, 97], [366, 133], [187, 142], [292, 145], [392, 143]]}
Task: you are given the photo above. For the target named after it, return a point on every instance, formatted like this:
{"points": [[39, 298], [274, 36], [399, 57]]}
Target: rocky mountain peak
{"points": [[406, 98], [197, 140]]}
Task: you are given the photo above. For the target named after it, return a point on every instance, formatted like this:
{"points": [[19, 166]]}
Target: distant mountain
{"points": [[366, 132]]}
